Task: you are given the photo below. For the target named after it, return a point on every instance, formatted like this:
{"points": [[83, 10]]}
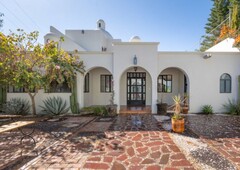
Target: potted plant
{"points": [[177, 119], [161, 107], [185, 104]]}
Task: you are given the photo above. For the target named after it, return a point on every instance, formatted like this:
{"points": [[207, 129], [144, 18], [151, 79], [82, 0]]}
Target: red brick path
{"points": [[130, 150]]}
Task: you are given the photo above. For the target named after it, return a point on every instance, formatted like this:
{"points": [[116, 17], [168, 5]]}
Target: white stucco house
{"points": [[140, 75]]}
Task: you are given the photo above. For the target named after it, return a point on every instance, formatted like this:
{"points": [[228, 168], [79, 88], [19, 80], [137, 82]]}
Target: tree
{"points": [[232, 30], [219, 14], [235, 14], [26, 63]]}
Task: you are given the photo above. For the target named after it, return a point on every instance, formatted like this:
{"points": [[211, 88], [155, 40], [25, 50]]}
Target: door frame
{"points": [[136, 75]]}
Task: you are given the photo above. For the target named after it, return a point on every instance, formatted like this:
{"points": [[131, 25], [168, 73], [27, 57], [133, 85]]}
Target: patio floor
{"points": [[125, 142]]}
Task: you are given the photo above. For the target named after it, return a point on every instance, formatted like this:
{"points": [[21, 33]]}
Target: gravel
{"points": [[200, 155]]}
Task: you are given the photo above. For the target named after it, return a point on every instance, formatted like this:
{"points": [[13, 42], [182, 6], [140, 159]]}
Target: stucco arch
{"points": [[132, 69], [176, 67], [180, 83], [123, 84], [94, 67], [94, 95]]}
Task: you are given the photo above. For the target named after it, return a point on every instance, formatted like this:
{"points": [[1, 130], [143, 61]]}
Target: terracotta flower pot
{"points": [[178, 125]]}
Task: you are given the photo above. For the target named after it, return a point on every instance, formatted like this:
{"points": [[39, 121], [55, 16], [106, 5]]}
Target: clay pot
{"points": [[178, 125]]}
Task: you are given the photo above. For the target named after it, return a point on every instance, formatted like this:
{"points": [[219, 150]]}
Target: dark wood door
{"points": [[136, 88]]}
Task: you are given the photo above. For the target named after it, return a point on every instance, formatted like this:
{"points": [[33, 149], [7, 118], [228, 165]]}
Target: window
{"points": [[225, 83], [13, 89], [106, 83], [55, 87], [165, 83], [86, 83]]}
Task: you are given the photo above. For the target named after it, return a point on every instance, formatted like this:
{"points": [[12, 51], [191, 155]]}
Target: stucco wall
{"points": [[41, 95], [177, 85], [123, 54], [204, 76], [91, 40], [95, 96]]}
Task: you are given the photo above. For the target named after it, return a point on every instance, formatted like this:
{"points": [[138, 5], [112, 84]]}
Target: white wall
{"points": [[41, 95], [91, 40], [204, 76], [146, 54], [97, 59], [177, 85], [95, 96]]}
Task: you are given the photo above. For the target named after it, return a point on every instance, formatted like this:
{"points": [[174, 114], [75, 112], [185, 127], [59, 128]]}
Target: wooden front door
{"points": [[136, 88]]}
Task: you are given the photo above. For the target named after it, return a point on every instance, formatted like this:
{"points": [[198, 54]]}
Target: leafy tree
{"points": [[232, 29], [26, 63], [218, 15]]}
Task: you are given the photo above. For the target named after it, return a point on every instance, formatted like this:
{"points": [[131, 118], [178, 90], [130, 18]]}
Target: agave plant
{"points": [[16, 106], [177, 107], [55, 106]]}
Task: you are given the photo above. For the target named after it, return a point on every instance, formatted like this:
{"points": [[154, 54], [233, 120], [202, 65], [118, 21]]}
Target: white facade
{"points": [[104, 55]]}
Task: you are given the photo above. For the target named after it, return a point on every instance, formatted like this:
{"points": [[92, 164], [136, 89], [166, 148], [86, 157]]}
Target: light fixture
{"points": [[135, 69], [135, 60], [206, 56]]}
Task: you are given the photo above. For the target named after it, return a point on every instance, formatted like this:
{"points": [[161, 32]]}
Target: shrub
{"points": [[96, 110], [232, 107], [55, 106], [16, 106], [100, 111], [207, 109]]}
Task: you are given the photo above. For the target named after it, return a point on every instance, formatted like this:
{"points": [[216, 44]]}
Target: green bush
{"points": [[96, 110], [100, 111], [16, 106], [207, 109], [55, 106], [232, 107]]}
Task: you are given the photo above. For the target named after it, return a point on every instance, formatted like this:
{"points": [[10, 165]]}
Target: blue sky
{"points": [[177, 24]]}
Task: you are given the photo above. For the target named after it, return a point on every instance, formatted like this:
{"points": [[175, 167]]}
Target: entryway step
{"points": [[135, 110]]}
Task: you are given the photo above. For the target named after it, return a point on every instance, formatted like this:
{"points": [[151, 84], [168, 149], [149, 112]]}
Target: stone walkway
{"points": [[124, 142], [132, 142]]}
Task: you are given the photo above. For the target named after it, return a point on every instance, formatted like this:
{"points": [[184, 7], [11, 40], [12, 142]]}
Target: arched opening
{"points": [[172, 81], [135, 88], [98, 86]]}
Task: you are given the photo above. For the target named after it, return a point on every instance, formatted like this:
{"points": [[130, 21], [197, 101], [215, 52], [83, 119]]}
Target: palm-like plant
{"points": [[177, 107], [55, 106]]}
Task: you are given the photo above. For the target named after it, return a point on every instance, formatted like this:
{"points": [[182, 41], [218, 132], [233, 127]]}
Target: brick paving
{"points": [[127, 145], [46, 134], [125, 142]]}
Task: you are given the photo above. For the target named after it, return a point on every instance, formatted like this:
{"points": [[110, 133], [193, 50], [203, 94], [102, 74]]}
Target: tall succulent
{"points": [[73, 98]]}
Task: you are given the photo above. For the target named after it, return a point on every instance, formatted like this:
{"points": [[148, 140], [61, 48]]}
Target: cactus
{"points": [[3, 96], [238, 88], [73, 98]]}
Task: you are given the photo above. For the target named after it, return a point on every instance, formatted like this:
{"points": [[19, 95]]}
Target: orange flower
{"points": [[237, 41]]}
